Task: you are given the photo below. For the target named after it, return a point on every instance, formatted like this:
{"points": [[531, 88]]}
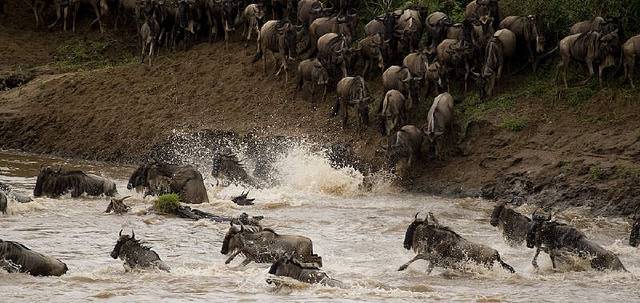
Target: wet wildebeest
{"points": [[437, 26], [312, 72], [353, 92], [253, 17], [278, 37], [478, 8], [514, 224], [265, 245], [441, 246], [3, 203], [406, 143], [149, 37], [501, 47], [555, 238], [15, 257], [310, 10], [118, 206], [332, 53], [630, 50], [400, 78], [594, 24], [227, 168], [289, 266], [634, 237], [529, 34], [161, 178], [591, 47], [452, 54], [56, 182], [135, 255], [439, 127], [370, 49], [343, 25], [392, 112], [242, 199], [409, 28]]}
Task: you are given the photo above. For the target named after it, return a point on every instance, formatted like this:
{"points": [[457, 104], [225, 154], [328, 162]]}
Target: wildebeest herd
{"points": [[293, 255]]}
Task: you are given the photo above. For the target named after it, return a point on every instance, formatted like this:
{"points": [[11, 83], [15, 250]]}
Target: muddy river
{"points": [[359, 235]]}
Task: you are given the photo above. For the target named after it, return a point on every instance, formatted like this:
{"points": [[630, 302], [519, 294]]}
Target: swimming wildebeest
{"points": [[392, 112], [55, 182], [581, 27], [242, 199], [353, 92], [406, 143], [369, 49], [400, 78], [439, 127], [529, 34], [161, 178], [634, 237], [630, 50], [118, 206], [312, 72], [135, 255], [514, 225], [265, 245], [227, 168], [555, 238], [253, 16], [501, 47], [437, 25], [15, 257], [278, 37], [441, 246], [149, 36], [590, 47], [289, 266]]}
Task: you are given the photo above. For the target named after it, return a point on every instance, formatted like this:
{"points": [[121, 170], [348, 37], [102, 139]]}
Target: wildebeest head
{"points": [[139, 177], [411, 230], [495, 215], [45, 174], [534, 234], [609, 43], [242, 199], [117, 250], [634, 238], [229, 13], [230, 242]]}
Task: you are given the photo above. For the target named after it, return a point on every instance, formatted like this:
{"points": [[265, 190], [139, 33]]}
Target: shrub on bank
{"points": [[167, 203]]}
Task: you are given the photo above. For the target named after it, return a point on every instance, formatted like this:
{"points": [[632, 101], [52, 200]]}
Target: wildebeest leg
{"points": [[246, 262], [144, 50], [324, 93], [504, 265], [313, 92], [467, 70], [416, 258], [345, 112], [552, 256], [58, 16], [151, 52], [336, 107], [591, 71], [366, 69], [534, 262], [97, 11], [233, 255]]}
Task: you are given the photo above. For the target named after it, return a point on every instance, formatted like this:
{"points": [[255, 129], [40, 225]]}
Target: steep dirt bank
{"points": [[580, 147]]}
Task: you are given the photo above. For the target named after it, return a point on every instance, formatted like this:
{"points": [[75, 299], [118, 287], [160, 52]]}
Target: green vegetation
{"points": [[79, 53], [167, 203], [596, 173], [514, 124]]}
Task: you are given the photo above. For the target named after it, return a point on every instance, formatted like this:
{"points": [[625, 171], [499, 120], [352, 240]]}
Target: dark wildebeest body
{"points": [[149, 33], [439, 127], [630, 50], [3, 203], [409, 28], [501, 47], [353, 92], [312, 72], [253, 18], [385, 25], [370, 49], [400, 78], [441, 246], [514, 225], [278, 37], [227, 168], [242, 199], [265, 245], [478, 8], [453, 54], [592, 48], [325, 25], [437, 25], [528, 33], [423, 72], [135, 255], [117, 206], [310, 273], [555, 238], [162, 178], [581, 27], [57, 182], [634, 236], [392, 112], [332, 49], [406, 143], [15, 257], [310, 10]]}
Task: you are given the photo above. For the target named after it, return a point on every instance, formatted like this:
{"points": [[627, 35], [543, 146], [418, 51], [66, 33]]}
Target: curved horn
{"points": [[416, 216], [133, 234], [120, 234]]}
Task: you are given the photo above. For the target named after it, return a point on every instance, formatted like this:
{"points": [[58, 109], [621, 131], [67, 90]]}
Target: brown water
{"points": [[358, 234]]}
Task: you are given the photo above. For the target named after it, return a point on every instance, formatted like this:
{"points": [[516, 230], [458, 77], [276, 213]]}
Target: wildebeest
{"points": [[353, 92], [265, 245], [159, 178], [406, 143], [118, 206], [594, 24], [135, 255], [310, 10], [230, 11], [437, 25], [289, 266], [555, 238], [392, 112], [149, 36], [15, 257], [312, 72], [440, 123], [634, 237], [3, 203], [385, 25], [325, 25], [452, 54], [514, 224], [422, 70], [441, 246], [400, 78], [502, 46], [370, 49], [278, 37], [478, 8], [409, 28], [253, 16], [227, 168], [332, 53], [185, 26], [591, 47], [529, 34], [242, 199], [630, 50], [55, 182]]}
